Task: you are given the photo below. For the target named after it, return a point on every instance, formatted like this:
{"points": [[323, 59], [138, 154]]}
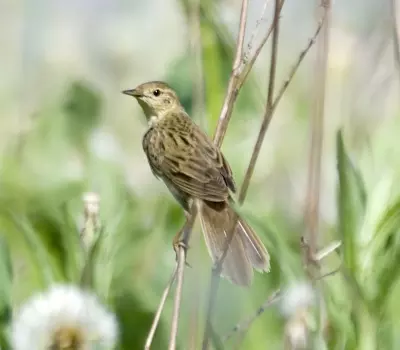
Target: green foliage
{"points": [[217, 59], [369, 225], [6, 275], [352, 201], [130, 259], [82, 108]]}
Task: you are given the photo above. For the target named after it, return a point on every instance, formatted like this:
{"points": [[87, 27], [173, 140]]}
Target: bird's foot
{"points": [[177, 245]]}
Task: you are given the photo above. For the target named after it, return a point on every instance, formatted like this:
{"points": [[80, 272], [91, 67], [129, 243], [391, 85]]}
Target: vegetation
{"points": [[46, 170]]}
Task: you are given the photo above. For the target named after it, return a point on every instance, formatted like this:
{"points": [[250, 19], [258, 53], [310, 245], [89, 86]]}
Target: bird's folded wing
{"points": [[197, 168]]}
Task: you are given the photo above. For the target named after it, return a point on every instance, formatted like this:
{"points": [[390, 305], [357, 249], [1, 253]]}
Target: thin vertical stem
{"points": [[194, 19], [315, 160], [232, 91], [395, 35], [269, 106], [181, 257]]}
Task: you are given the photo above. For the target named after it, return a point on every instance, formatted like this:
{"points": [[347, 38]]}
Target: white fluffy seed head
{"points": [[64, 317], [296, 334], [91, 201], [299, 296]]}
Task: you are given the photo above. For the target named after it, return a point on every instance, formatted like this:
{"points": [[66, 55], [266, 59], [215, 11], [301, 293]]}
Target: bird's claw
{"points": [[180, 244]]}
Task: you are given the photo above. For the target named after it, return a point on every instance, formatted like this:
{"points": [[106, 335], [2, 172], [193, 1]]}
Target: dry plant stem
{"points": [[314, 175], [245, 325], [254, 33], [181, 261], [197, 66], [249, 65], [222, 126], [91, 225], [219, 135], [218, 138], [327, 274], [178, 296], [324, 252], [315, 161], [240, 71], [269, 112], [267, 116], [214, 284], [396, 46], [198, 104], [300, 59], [160, 308], [232, 91], [177, 273]]}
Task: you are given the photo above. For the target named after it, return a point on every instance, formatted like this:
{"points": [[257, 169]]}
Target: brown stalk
{"points": [[239, 74], [181, 261], [267, 115], [178, 275], [232, 91], [181, 253], [267, 118], [179, 270], [315, 159], [395, 35], [178, 295], [247, 66], [222, 126], [160, 308], [197, 65], [243, 326], [213, 290], [314, 172], [269, 112], [240, 71], [198, 97], [254, 34]]}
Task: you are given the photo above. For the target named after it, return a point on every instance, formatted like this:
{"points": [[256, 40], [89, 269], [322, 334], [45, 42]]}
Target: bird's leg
{"points": [[178, 242]]}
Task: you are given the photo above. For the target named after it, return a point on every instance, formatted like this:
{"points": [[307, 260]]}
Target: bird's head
{"points": [[156, 99]]}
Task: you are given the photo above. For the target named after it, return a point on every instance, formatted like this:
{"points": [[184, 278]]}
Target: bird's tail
{"points": [[245, 251]]}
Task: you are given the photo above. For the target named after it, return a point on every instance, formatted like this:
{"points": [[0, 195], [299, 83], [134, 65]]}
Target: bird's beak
{"points": [[132, 92]]}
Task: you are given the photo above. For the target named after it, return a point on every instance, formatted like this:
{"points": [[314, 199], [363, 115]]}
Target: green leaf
{"points": [[6, 275], [218, 51], [37, 248], [134, 321], [87, 276], [351, 205], [82, 108], [389, 273], [371, 240]]}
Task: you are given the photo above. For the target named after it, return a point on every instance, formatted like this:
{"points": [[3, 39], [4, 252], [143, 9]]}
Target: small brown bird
{"points": [[192, 167]]}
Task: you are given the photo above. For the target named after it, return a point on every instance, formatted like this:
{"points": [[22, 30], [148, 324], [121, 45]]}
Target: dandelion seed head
{"points": [[298, 296], [64, 317], [92, 202], [296, 333]]}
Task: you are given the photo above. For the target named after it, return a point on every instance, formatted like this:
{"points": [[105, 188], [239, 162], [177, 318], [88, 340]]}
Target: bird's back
{"points": [[181, 153]]}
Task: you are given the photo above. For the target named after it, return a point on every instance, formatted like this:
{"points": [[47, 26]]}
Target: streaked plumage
{"points": [[192, 167]]}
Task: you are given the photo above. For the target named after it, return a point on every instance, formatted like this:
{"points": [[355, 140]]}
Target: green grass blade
{"points": [[351, 204]]}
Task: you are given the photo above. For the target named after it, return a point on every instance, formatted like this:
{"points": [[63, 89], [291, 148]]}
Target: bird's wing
{"points": [[149, 149], [191, 162]]}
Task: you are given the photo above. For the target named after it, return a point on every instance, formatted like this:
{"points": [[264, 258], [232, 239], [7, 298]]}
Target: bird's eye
{"points": [[156, 92]]}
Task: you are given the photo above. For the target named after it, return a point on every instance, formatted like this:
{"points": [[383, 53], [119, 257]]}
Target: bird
{"points": [[195, 171]]}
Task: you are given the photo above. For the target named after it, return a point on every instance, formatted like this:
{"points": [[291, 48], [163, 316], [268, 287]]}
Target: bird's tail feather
{"points": [[245, 251]]}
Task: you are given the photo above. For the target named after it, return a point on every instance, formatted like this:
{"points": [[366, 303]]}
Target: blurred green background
{"points": [[66, 129]]}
